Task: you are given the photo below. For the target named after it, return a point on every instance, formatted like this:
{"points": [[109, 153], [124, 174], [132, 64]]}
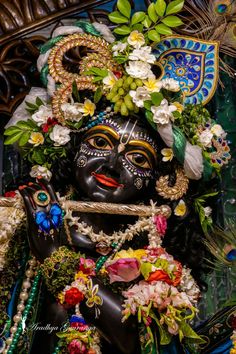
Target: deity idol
{"points": [[116, 258]]}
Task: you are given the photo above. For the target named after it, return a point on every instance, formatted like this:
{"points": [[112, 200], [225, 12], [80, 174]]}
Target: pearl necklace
{"points": [[22, 308]]}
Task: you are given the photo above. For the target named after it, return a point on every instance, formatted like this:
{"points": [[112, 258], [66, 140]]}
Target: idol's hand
{"points": [[44, 218]]}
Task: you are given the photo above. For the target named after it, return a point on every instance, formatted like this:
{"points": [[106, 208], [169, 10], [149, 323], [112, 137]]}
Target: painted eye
{"points": [[139, 160], [100, 143]]}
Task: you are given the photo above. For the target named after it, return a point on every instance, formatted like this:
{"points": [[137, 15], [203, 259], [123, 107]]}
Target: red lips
{"points": [[106, 181]]}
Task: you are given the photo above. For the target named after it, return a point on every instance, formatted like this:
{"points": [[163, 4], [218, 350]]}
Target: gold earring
{"points": [[175, 192]]}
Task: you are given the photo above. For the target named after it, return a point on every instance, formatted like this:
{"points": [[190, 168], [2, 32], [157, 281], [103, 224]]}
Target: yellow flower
{"points": [[130, 253], [168, 154], [136, 39], [81, 275], [179, 107], [36, 139], [103, 271], [180, 209], [61, 298], [87, 108], [153, 85]]}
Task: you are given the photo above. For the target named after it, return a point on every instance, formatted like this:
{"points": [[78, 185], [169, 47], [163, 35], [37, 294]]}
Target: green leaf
{"points": [[146, 269], [156, 97], [24, 138], [148, 105], [39, 102], [116, 17], [38, 156], [154, 36], [163, 29], [31, 124], [138, 17], [124, 7], [147, 22], [152, 12], [12, 130], [138, 27], [24, 125], [97, 78], [149, 117], [13, 138], [75, 91], [190, 333], [123, 30], [120, 59], [174, 7], [97, 72], [31, 105], [172, 21], [97, 95], [160, 7]]}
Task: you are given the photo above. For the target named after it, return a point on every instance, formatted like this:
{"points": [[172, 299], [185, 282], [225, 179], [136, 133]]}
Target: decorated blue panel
{"points": [[192, 62]]}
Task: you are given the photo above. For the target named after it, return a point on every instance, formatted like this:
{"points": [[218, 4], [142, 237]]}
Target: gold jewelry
{"points": [[41, 198], [175, 192], [101, 58]]}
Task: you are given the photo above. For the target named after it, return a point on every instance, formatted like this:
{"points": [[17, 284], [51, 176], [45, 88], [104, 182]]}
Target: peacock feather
{"points": [[212, 20], [222, 244]]}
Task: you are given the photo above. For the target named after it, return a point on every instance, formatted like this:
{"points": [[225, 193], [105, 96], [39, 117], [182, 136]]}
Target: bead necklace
{"points": [[22, 309]]}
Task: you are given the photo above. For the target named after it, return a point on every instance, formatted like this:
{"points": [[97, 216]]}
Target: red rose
{"points": [[73, 296], [10, 194], [118, 74], [159, 275], [50, 123]]}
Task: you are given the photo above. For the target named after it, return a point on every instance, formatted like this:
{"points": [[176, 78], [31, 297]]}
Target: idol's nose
{"points": [[113, 163]]}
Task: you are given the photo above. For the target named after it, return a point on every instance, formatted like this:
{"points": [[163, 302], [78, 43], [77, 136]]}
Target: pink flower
{"points": [[76, 347], [87, 266], [123, 269], [173, 328], [161, 224]]}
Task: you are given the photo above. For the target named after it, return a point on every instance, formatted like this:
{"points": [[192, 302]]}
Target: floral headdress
{"points": [[142, 70]]}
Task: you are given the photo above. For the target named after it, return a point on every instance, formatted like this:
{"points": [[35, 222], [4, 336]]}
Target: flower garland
{"points": [[166, 297], [63, 267], [11, 218]]}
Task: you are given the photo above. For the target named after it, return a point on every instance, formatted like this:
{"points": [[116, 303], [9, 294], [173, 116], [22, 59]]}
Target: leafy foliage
{"points": [[159, 19]]}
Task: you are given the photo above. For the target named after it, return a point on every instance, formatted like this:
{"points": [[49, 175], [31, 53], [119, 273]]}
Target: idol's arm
{"points": [[123, 335]]}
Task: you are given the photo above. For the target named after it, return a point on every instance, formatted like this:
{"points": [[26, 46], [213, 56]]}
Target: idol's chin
{"points": [[106, 194]]}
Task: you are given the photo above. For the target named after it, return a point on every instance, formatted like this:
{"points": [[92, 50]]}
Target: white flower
{"points": [[136, 39], [207, 211], [153, 85], [42, 171], [167, 154], [170, 84], [110, 80], [139, 96], [163, 113], [71, 111], [42, 114], [143, 54], [205, 138], [119, 48], [218, 130], [139, 70], [60, 135]]}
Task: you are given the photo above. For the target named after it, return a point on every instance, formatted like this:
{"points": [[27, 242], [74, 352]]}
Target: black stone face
{"points": [[116, 161]]}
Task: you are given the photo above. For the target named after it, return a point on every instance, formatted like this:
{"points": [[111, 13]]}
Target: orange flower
{"points": [[177, 273], [159, 275]]}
